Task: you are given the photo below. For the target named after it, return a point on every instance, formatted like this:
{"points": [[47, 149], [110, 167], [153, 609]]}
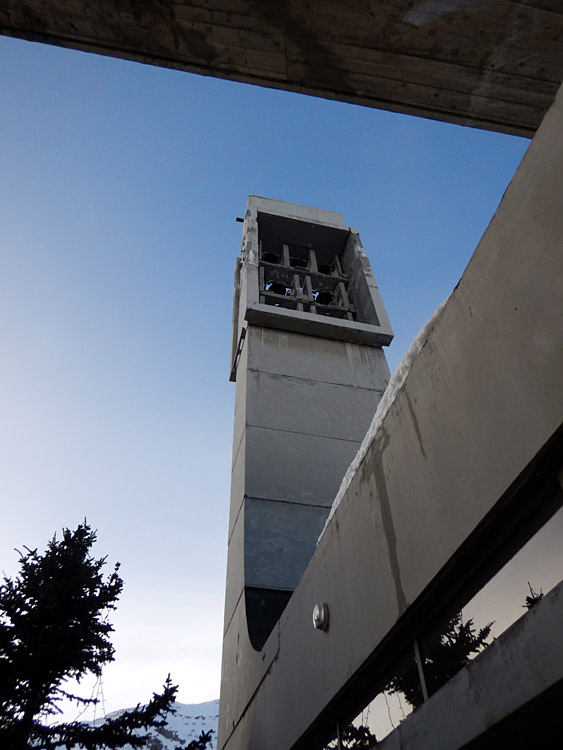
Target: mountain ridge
{"points": [[188, 722]]}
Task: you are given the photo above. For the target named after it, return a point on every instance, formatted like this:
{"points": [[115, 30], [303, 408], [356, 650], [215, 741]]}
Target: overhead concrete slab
{"points": [[495, 65]]}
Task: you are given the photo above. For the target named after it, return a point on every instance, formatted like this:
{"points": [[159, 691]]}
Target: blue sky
{"points": [[119, 188]]}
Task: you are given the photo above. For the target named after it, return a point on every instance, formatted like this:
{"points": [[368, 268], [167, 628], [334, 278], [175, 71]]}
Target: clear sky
{"points": [[119, 188]]}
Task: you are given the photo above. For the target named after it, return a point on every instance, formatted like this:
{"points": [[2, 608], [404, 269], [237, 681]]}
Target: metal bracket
{"points": [[237, 354]]}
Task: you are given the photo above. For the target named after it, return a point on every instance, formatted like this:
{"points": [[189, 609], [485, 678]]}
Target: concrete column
{"points": [[310, 371]]}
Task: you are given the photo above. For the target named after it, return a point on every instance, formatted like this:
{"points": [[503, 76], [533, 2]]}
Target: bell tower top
{"points": [[303, 270]]}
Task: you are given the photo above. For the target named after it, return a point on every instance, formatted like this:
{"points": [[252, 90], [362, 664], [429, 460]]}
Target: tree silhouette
{"points": [[354, 737], [54, 628], [442, 659], [451, 651], [533, 598]]}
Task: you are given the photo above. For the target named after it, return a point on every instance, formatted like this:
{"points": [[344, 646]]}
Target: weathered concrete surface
{"points": [[340, 413], [245, 668], [316, 358], [271, 456], [277, 537], [480, 405], [489, 64], [520, 666]]}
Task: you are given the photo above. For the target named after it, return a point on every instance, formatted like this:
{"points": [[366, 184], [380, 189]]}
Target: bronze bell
{"points": [[298, 263], [325, 298], [278, 288]]}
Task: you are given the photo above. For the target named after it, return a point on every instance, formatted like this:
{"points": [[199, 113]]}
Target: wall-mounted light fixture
{"points": [[320, 616]]}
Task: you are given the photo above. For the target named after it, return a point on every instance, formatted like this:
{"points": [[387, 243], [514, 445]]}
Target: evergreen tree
{"points": [[442, 659], [446, 656], [352, 736], [54, 628]]}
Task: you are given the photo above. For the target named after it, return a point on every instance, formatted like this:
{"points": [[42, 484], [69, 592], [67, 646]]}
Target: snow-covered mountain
{"points": [[186, 725]]}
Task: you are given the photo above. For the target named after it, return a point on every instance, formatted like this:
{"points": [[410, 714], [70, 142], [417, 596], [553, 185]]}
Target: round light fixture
{"points": [[320, 616]]}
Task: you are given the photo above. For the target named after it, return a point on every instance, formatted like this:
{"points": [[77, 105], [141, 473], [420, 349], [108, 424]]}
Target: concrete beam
{"points": [[495, 65]]}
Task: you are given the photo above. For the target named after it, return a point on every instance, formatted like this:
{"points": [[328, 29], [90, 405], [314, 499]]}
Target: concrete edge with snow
{"points": [[395, 384]]}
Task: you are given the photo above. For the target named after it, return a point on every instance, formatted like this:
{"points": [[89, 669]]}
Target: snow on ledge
{"points": [[395, 385]]}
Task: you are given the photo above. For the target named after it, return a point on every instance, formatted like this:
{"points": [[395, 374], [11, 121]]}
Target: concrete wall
{"points": [[302, 407], [297, 427], [480, 405], [489, 64]]}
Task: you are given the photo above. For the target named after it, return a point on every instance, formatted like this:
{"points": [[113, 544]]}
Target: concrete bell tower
{"points": [[308, 327]]}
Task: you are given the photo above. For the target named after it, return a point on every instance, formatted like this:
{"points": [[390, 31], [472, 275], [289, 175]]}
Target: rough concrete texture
{"points": [[295, 467], [480, 404], [492, 65], [319, 366], [310, 214], [245, 668], [277, 538], [235, 567], [308, 406], [318, 359]]}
